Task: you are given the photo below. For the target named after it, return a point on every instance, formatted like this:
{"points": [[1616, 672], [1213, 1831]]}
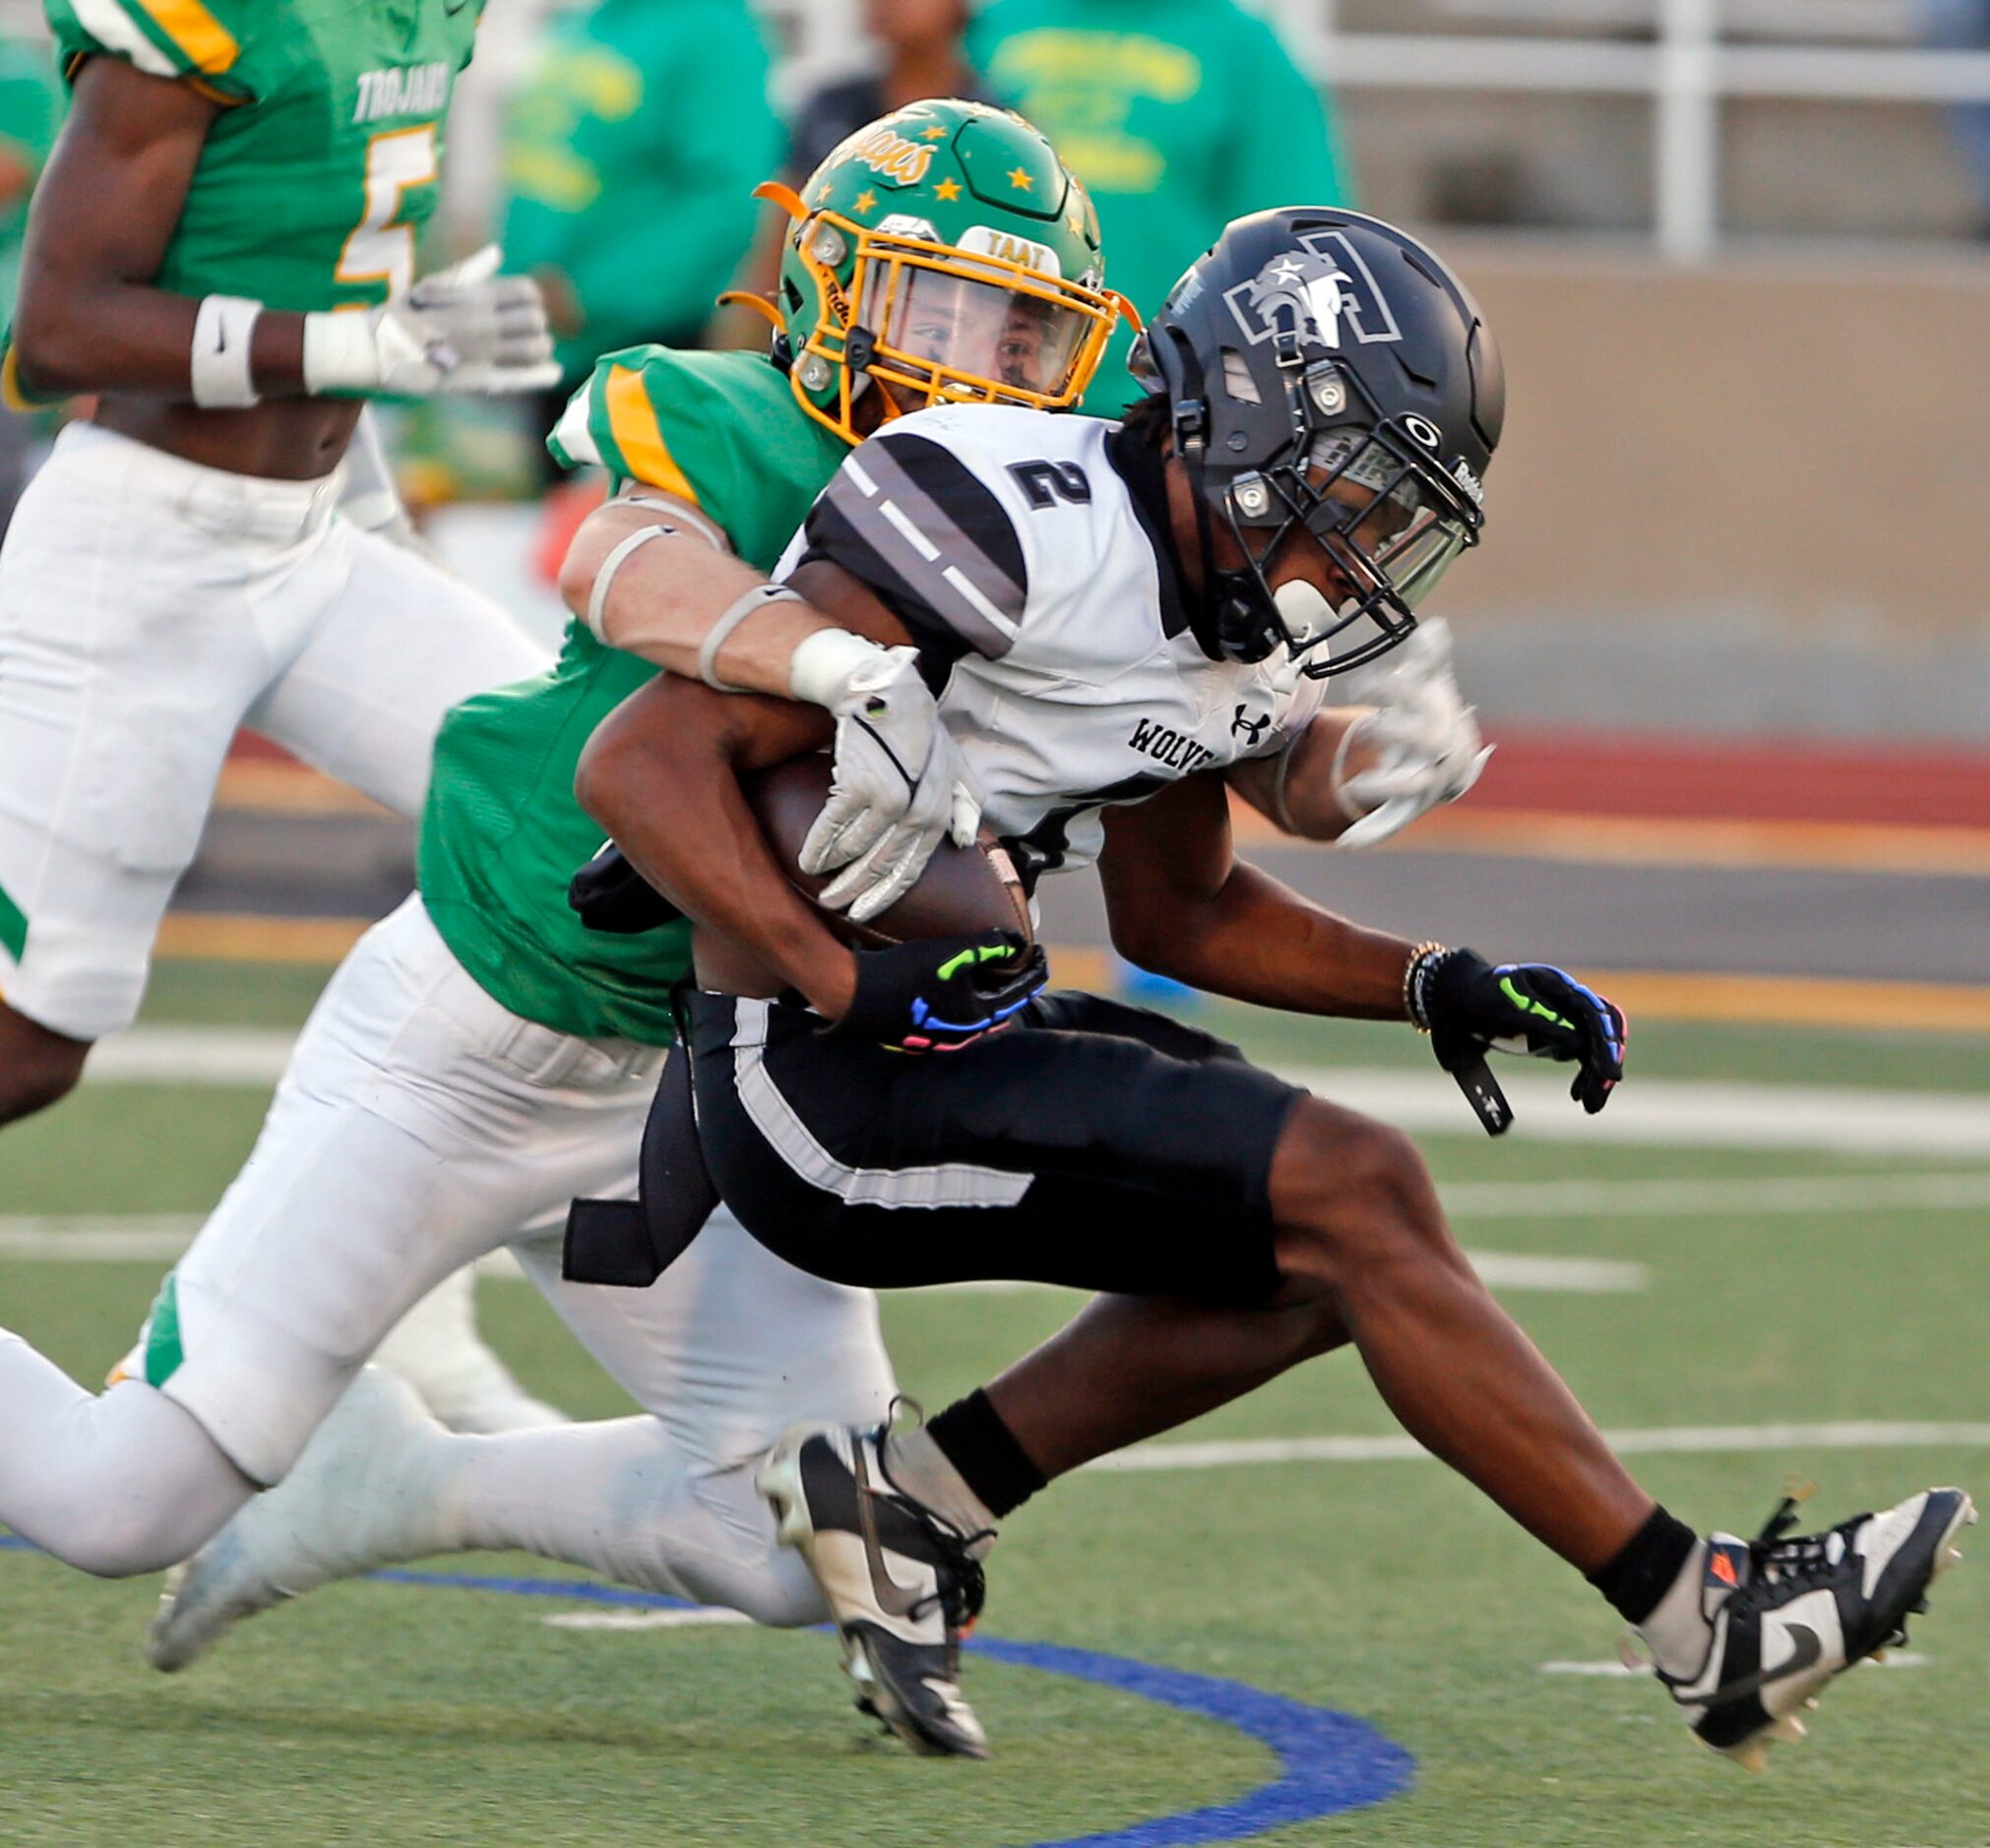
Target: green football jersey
{"points": [[503, 834], [320, 172]]}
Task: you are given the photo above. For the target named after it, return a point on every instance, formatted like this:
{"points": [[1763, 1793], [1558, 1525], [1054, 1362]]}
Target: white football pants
{"points": [[421, 1125], [148, 608]]}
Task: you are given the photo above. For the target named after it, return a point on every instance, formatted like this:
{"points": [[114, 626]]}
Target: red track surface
{"points": [[1805, 780], [1676, 774]]}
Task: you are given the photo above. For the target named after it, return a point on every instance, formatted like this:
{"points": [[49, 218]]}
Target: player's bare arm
{"points": [[1181, 904], [214, 379], [89, 319], [651, 575], [662, 776]]}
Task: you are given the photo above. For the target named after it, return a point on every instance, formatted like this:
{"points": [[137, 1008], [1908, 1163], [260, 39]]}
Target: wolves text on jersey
{"points": [[1175, 749]]}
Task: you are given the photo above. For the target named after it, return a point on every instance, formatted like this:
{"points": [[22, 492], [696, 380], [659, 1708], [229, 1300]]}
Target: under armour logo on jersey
{"points": [[1245, 726], [1313, 293]]}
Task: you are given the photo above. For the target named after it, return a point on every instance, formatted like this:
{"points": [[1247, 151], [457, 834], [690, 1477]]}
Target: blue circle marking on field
{"points": [[1328, 1763]]}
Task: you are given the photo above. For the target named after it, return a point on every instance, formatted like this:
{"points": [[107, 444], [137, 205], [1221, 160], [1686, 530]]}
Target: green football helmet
{"points": [[944, 255]]}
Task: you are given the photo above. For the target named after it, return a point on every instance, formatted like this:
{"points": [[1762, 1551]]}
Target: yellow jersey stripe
{"points": [[632, 422], [202, 39], [11, 392]]}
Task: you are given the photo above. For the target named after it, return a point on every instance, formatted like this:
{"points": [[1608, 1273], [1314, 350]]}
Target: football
{"points": [[964, 890]]}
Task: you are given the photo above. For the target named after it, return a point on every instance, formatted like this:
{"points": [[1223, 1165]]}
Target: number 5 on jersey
{"points": [[379, 249]]}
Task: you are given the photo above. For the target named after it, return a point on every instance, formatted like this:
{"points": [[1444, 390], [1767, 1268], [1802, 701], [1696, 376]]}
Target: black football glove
{"points": [[611, 895], [942, 993], [1467, 1006]]}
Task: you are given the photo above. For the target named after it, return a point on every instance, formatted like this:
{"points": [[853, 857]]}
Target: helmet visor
{"points": [[1390, 527], [954, 333], [1382, 519]]}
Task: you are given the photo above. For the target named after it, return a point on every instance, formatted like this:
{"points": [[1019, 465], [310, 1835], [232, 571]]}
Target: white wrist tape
{"points": [[757, 598], [224, 325], [1336, 776], [341, 353], [598, 597], [819, 669], [686, 520]]}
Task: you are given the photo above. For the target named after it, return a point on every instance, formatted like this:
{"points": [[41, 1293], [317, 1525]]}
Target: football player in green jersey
{"points": [[478, 1060], [222, 252]]}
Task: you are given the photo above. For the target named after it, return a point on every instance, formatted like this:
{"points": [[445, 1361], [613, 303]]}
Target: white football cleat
{"points": [[1789, 1614], [901, 1581], [357, 1499]]}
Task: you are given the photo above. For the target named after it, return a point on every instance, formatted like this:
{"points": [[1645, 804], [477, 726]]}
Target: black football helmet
{"points": [[1326, 374]]}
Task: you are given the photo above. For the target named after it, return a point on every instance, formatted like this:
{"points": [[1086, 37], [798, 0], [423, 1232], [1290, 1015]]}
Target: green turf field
{"points": [[1383, 1589]]}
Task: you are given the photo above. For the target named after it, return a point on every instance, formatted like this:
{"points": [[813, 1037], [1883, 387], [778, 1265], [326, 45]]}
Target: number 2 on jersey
{"points": [[378, 250]]}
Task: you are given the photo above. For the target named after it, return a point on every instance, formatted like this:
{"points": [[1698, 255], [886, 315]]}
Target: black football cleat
{"points": [[901, 1583], [1789, 1614]]}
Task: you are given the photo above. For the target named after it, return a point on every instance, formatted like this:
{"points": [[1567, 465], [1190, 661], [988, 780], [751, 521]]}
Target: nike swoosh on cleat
{"points": [[1808, 1653], [893, 1598]]}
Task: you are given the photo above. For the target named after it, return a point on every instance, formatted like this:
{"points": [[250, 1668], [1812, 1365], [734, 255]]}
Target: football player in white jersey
{"points": [[1123, 621]]}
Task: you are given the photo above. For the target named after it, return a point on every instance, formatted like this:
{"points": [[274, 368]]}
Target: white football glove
{"points": [[1426, 739], [460, 330], [900, 786]]}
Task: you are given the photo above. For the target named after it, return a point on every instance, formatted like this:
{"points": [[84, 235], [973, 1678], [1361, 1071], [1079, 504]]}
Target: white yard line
{"points": [[1613, 1670], [1648, 1110], [1683, 1112], [190, 1055], [97, 1239], [1502, 1270], [1736, 1198], [162, 1237], [112, 1238], [1574, 1276], [1664, 1441], [138, 1238], [644, 1620]]}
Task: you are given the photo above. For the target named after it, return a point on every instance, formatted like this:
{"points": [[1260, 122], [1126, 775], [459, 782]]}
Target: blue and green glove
{"points": [[1468, 1006], [939, 994]]}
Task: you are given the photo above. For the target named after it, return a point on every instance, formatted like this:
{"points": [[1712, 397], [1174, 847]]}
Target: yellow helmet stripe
{"points": [[632, 422]]}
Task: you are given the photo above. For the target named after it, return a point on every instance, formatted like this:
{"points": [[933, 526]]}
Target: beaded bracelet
{"points": [[1416, 974]]}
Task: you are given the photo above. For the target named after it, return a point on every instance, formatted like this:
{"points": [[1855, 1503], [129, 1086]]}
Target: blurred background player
{"points": [[30, 106], [1179, 115], [636, 132], [1965, 25], [917, 50], [222, 251]]}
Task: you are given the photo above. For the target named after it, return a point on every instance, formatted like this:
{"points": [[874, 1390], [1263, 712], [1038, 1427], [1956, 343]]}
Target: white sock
{"points": [[918, 1466], [623, 1498], [1678, 1630], [121, 1483]]}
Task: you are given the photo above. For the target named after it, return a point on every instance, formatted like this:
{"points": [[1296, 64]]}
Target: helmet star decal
{"points": [[1018, 178]]}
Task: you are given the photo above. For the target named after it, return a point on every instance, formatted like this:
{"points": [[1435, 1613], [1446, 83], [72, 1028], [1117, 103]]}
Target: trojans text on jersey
{"points": [[417, 90]]}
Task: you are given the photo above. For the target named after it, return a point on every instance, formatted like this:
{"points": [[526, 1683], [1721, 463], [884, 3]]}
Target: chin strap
{"points": [[1189, 422]]}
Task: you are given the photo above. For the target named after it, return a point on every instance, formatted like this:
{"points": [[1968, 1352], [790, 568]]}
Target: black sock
{"points": [[972, 1437], [1645, 1571]]}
